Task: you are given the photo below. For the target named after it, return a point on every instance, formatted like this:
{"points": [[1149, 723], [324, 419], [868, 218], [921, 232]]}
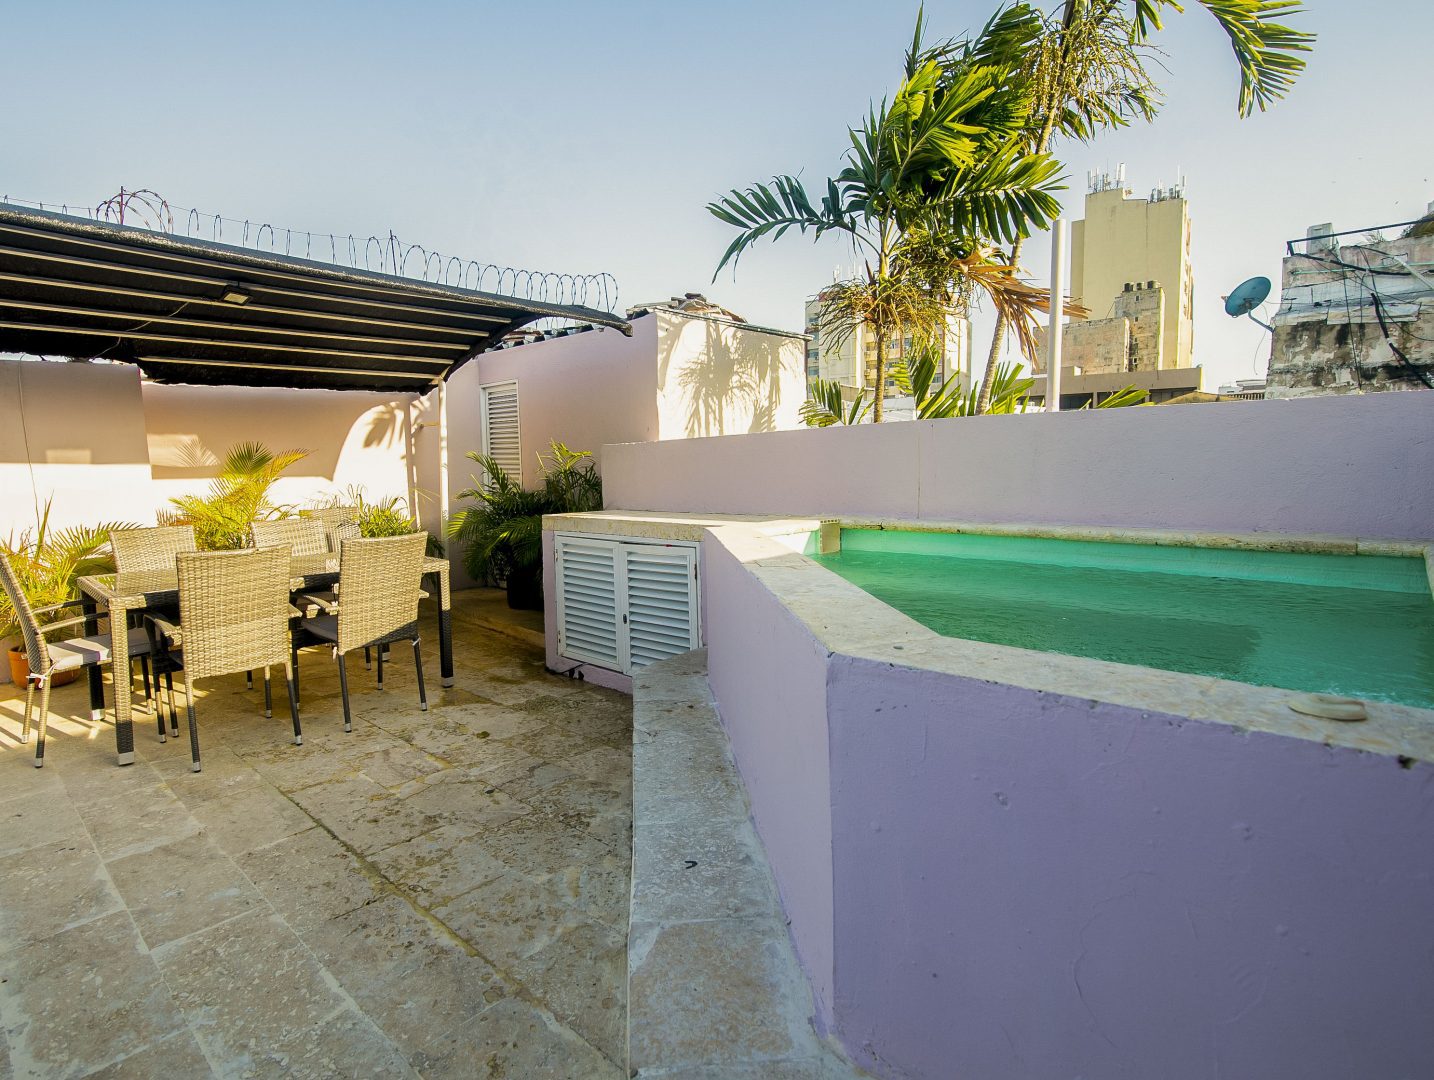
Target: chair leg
{"points": [[44, 722], [294, 666], [291, 676], [268, 696], [380, 667], [173, 709], [248, 680], [97, 694], [418, 666], [344, 692], [29, 708], [193, 723], [144, 670], [367, 660]]}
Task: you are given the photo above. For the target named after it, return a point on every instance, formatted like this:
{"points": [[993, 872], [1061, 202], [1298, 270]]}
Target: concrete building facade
{"points": [[1355, 318], [1130, 269], [1124, 239]]}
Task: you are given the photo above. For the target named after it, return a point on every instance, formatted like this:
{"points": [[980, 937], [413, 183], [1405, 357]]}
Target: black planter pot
{"points": [[525, 588]]}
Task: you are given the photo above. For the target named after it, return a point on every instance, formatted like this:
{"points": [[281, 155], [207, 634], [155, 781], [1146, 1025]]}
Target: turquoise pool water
{"points": [[1357, 625]]}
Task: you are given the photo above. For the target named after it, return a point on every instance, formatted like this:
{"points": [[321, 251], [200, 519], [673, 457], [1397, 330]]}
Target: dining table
{"points": [[123, 594]]}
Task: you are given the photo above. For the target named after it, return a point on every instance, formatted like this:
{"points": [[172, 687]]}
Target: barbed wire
{"points": [[146, 209]]}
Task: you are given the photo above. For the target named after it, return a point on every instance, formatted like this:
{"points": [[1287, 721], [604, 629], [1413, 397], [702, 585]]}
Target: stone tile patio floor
{"points": [[440, 894]]}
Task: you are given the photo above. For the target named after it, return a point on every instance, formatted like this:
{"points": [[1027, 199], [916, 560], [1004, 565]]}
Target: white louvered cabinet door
{"points": [[622, 605], [588, 602], [661, 589]]}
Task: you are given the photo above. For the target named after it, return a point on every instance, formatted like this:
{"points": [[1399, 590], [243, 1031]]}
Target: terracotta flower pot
{"points": [[20, 670]]}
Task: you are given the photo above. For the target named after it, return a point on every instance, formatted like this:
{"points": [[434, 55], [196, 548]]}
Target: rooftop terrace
{"points": [[442, 894]]}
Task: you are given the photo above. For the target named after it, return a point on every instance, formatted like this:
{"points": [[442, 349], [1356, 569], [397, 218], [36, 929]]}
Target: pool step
{"points": [[713, 982]]}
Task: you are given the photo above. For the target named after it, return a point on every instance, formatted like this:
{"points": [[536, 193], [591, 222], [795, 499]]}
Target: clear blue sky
{"points": [[583, 137]]}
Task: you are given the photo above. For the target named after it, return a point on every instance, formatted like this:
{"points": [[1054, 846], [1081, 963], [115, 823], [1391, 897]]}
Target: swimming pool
{"points": [[1355, 625]]}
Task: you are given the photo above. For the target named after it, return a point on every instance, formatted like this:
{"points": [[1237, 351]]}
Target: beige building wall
{"points": [[1127, 239], [73, 435], [354, 438], [716, 377]]}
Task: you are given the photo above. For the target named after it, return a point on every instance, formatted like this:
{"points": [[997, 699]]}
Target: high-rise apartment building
{"points": [[1130, 269], [851, 360], [1125, 239]]}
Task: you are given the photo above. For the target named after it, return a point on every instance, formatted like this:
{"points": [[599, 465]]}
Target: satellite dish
{"points": [[1246, 297]]}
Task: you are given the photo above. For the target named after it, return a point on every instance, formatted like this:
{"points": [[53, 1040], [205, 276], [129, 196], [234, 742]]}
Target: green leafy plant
{"points": [[238, 496], [502, 532], [387, 517], [825, 407], [1122, 398], [1010, 391], [49, 563]]}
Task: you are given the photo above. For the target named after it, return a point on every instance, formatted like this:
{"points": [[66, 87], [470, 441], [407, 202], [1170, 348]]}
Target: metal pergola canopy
{"points": [[194, 311]]}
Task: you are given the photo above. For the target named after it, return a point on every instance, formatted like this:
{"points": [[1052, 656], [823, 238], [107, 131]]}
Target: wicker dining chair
{"points": [[234, 615], [151, 549], [379, 578], [154, 548], [49, 658], [335, 519], [302, 536]]}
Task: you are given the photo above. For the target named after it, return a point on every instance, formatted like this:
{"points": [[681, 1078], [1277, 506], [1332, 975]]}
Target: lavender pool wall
{"points": [[1036, 886], [989, 880]]}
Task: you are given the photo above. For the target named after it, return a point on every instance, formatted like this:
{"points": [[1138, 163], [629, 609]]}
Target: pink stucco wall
{"points": [[986, 880], [1349, 465], [585, 390]]}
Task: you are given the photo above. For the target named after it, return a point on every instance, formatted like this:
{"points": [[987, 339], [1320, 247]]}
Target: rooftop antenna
{"points": [[1245, 297]]}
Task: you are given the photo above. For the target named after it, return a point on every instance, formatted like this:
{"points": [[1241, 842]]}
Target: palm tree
{"points": [[931, 180], [1086, 72]]}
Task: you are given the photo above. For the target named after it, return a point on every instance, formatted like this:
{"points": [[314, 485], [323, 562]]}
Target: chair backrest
{"points": [[379, 579], [302, 536], [37, 655], [349, 530], [331, 515], [234, 610], [151, 549]]}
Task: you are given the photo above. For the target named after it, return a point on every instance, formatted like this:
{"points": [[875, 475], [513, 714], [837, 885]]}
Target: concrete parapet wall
{"points": [[1355, 466]]}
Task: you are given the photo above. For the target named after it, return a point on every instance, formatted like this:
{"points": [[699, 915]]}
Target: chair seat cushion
{"points": [[323, 626], [84, 651]]}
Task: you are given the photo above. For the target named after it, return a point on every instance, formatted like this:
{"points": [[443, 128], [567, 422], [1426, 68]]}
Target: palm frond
{"points": [[1267, 51], [1123, 398], [773, 209]]}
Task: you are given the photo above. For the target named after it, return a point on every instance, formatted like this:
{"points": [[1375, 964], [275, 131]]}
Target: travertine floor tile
{"points": [[247, 985], [182, 887], [82, 999], [50, 888]]}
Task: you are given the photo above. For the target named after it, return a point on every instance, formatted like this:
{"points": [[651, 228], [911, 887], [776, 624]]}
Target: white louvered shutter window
{"points": [[661, 602], [588, 602], [500, 428]]}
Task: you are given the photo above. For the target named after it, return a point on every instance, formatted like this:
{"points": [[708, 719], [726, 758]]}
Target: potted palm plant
{"points": [[48, 565], [238, 496], [502, 532]]}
